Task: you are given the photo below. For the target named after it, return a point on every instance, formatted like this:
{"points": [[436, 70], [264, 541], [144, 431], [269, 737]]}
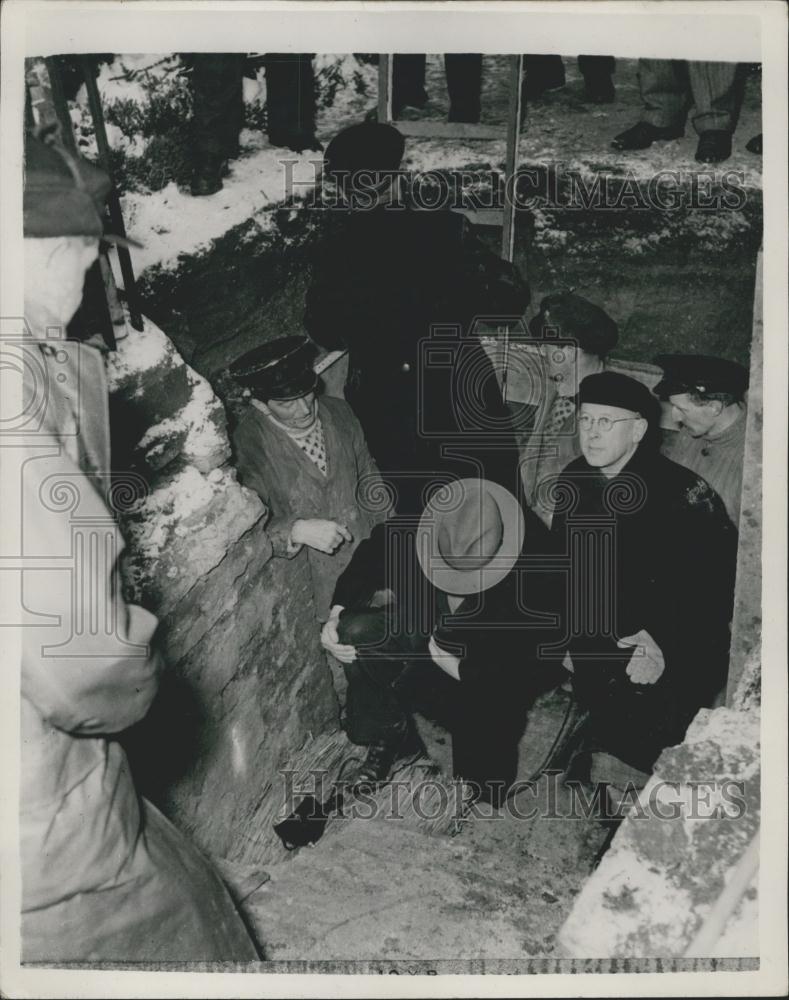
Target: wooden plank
{"points": [[432, 129], [385, 88], [482, 216]]}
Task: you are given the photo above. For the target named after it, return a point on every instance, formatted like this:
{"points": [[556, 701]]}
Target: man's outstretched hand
{"points": [[646, 664], [317, 533], [330, 640]]}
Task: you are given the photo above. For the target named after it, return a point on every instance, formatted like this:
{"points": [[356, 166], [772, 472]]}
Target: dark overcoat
{"points": [[401, 290], [651, 548]]}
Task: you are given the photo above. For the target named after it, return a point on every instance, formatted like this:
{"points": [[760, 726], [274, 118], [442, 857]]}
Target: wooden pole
{"points": [[113, 201], [94, 310], [511, 158], [385, 66], [510, 165]]}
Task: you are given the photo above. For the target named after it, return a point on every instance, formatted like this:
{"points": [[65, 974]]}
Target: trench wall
{"points": [[246, 682]]}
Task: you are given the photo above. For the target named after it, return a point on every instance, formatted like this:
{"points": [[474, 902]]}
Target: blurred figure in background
{"points": [[218, 112], [380, 288], [105, 877]]}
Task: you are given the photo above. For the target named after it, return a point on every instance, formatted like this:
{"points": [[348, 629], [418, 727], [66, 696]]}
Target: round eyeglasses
{"points": [[604, 424]]}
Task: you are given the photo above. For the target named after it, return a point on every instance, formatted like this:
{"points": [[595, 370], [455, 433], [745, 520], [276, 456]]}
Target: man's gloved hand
{"points": [[325, 536], [330, 640], [646, 664]]}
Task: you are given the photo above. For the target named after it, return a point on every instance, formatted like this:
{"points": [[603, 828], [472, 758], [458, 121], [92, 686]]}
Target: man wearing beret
{"points": [[707, 397], [650, 581], [105, 877], [381, 288], [575, 337]]}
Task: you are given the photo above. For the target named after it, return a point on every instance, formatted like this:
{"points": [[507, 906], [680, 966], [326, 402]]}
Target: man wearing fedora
{"points": [[450, 642], [575, 338], [647, 593], [105, 876], [305, 455], [707, 396], [393, 284]]}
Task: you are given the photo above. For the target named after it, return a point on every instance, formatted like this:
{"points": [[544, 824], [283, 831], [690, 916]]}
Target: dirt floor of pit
{"points": [[382, 888]]}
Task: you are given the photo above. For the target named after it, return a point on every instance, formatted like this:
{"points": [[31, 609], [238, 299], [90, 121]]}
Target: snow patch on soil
{"points": [[138, 352]]}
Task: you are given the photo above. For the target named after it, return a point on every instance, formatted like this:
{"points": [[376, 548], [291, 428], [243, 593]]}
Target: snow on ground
{"points": [[561, 129], [171, 223]]}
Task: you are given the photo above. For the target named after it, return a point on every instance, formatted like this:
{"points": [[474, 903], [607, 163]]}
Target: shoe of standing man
{"points": [[642, 135]]}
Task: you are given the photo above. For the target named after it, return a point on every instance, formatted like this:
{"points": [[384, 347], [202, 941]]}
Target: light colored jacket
{"points": [[291, 485], [104, 875]]}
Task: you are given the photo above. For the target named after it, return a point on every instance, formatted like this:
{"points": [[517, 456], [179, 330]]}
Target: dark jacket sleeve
{"points": [[365, 573], [691, 623]]}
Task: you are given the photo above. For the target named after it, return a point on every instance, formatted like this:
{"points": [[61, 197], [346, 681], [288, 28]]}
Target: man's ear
{"points": [[640, 426], [719, 406]]}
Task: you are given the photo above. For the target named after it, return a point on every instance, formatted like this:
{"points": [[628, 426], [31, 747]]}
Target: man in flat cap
{"points": [[648, 592], [707, 397], [575, 337], [382, 288], [105, 877], [305, 455]]}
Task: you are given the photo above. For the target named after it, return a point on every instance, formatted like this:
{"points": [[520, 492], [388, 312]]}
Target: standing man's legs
{"points": [[664, 93], [716, 102], [597, 72], [218, 114], [542, 73], [408, 83], [665, 96], [464, 83], [290, 100]]}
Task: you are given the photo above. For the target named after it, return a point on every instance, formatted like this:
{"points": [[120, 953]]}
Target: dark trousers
{"points": [[633, 722], [670, 86], [290, 93], [596, 68], [464, 83], [394, 676], [544, 72], [218, 104]]}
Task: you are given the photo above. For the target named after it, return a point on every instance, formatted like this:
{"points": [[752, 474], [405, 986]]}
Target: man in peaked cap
{"points": [[388, 285], [652, 556], [575, 337], [305, 455], [707, 396], [105, 877]]}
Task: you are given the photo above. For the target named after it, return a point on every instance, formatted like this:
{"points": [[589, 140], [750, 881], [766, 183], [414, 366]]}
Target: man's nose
{"points": [[676, 415], [302, 407]]}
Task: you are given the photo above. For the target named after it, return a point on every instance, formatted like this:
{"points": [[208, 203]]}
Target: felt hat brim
{"points": [[476, 579]]}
